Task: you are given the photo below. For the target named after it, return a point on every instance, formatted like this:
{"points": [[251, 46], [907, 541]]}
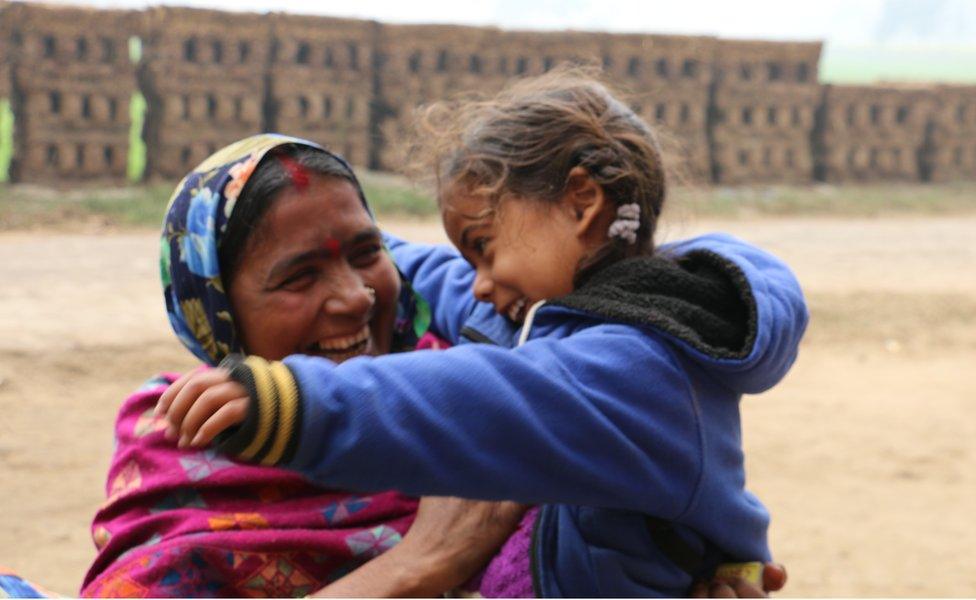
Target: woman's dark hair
{"points": [[525, 141], [283, 167]]}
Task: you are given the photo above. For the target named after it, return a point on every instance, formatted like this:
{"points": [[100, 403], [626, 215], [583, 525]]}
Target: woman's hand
{"points": [[773, 580], [448, 543], [202, 404], [460, 536]]}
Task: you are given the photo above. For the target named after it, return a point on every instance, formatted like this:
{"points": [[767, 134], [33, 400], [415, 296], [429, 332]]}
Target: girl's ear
{"points": [[588, 204]]}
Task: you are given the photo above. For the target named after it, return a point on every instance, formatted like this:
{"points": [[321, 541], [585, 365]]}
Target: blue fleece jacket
{"points": [[602, 419]]}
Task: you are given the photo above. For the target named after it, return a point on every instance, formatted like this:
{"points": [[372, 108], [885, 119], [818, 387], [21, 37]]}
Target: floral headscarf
{"points": [[203, 203]]}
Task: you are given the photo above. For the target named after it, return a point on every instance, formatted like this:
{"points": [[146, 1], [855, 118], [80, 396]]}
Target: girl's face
{"points": [[524, 251], [314, 278]]}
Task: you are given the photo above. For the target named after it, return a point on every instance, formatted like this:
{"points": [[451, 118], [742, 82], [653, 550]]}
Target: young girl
{"points": [[617, 409]]}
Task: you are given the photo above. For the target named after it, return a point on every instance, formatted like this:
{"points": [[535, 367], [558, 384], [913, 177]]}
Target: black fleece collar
{"points": [[700, 298]]}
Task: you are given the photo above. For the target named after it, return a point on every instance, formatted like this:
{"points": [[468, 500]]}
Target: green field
{"points": [[30, 207], [948, 63]]}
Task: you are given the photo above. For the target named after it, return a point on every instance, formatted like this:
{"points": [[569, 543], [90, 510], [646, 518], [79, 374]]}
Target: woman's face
{"points": [[314, 278]]}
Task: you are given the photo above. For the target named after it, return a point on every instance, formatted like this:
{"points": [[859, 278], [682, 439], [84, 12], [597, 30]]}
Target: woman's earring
{"points": [[372, 294]]}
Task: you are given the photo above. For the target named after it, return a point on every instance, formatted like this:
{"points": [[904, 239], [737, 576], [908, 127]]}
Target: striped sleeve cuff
{"points": [[269, 433]]}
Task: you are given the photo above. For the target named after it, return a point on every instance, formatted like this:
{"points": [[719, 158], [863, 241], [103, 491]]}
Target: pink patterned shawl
{"points": [[191, 523]]}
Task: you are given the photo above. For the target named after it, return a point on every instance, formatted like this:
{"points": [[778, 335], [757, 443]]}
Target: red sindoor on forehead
{"points": [[298, 173], [333, 247]]}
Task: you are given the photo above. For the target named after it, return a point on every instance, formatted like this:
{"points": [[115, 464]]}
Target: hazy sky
{"points": [[842, 21]]}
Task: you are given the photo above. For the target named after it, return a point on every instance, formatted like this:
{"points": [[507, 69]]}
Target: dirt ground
{"points": [[865, 454]]}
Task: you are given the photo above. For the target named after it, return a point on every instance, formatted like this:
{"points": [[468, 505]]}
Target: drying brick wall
{"points": [[5, 60], [667, 80], [419, 64], [664, 78], [873, 133], [321, 81], [203, 75], [72, 81], [951, 151], [764, 102], [726, 111]]}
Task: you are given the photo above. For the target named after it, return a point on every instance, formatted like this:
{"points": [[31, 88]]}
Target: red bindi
{"points": [[333, 247]]}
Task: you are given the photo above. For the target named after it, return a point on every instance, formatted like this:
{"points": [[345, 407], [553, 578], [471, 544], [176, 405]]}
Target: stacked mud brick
{"points": [[5, 91], [727, 111], [873, 133], [419, 64], [204, 77], [952, 148], [72, 82], [321, 81], [668, 78], [764, 102], [529, 53], [4, 53]]}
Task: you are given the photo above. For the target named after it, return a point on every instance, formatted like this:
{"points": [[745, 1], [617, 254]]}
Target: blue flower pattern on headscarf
{"points": [[199, 246], [196, 303], [178, 323]]}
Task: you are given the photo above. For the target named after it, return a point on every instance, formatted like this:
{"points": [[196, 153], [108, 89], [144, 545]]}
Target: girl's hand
{"points": [[773, 580], [200, 405]]}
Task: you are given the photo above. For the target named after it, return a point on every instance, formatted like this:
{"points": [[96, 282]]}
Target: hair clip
{"points": [[627, 223]]}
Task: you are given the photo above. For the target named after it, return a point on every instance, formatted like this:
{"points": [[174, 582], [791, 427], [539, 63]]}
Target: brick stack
{"points": [[419, 64], [72, 84], [5, 87], [528, 53], [669, 79], [764, 104], [5, 51], [729, 112], [321, 82], [952, 149], [203, 75], [873, 133]]}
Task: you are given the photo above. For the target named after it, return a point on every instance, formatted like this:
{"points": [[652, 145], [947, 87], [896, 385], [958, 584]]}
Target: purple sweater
{"points": [[509, 574]]}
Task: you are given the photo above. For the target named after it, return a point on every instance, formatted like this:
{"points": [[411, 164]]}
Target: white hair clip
{"points": [[627, 223]]}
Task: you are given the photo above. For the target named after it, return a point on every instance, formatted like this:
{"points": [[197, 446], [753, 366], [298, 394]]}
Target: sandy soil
{"points": [[864, 455]]}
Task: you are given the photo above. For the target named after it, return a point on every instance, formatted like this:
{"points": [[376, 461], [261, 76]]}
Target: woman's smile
{"points": [[295, 297], [343, 347]]}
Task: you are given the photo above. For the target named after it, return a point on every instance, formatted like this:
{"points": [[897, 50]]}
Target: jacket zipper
{"points": [[535, 568], [476, 336]]}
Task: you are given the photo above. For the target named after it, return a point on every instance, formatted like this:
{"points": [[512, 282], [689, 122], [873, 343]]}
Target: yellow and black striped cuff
{"points": [[269, 433]]}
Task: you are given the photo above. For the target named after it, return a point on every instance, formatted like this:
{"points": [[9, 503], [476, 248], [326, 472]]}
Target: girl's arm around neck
{"points": [[441, 277], [598, 418]]}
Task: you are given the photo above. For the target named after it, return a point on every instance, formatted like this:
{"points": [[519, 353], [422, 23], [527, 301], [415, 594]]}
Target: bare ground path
{"points": [[864, 455]]}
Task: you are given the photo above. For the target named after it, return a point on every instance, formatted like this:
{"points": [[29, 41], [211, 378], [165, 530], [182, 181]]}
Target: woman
{"points": [[189, 524], [283, 262]]}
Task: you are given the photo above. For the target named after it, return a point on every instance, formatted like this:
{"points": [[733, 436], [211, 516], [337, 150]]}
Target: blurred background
{"points": [[841, 136], [759, 92]]}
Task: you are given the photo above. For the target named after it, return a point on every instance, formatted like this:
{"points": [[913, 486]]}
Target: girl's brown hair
{"points": [[525, 141]]}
